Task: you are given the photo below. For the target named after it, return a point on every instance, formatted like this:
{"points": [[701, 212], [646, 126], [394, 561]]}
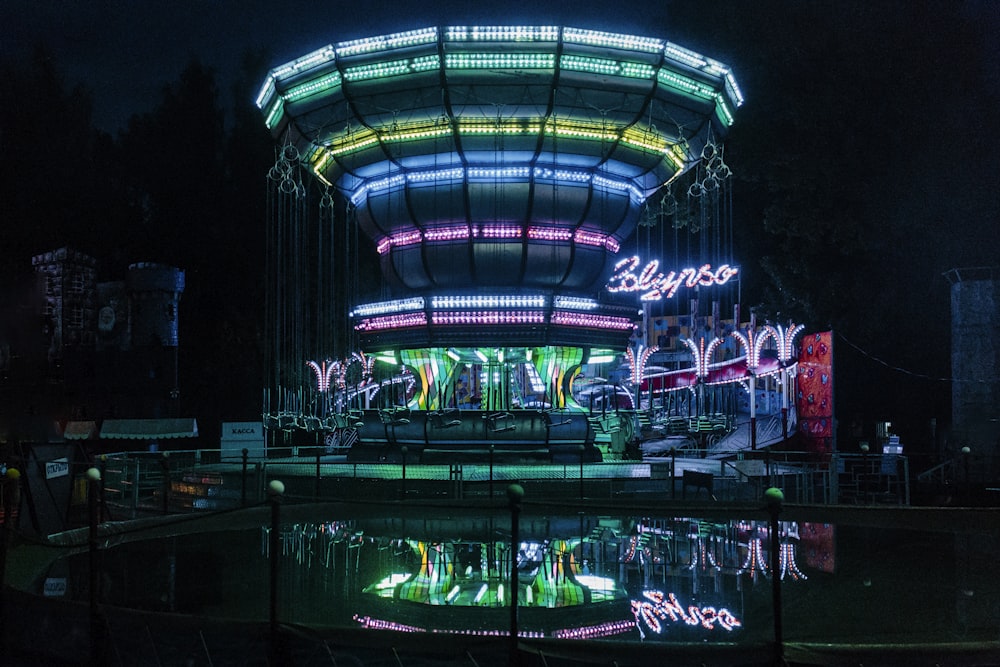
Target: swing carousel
{"points": [[467, 227]]}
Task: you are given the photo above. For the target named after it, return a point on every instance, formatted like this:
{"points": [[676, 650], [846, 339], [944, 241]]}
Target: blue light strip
{"points": [[509, 174]]}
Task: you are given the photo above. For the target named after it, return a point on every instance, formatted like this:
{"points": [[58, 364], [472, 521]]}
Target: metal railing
{"points": [[140, 483]]}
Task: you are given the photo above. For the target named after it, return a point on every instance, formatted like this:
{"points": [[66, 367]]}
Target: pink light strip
{"points": [[495, 317], [503, 232], [488, 317], [392, 322], [444, 234], [592, 321]]}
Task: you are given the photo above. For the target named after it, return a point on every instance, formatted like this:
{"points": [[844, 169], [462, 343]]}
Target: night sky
{"points": [[124, 52], [901, 96]]}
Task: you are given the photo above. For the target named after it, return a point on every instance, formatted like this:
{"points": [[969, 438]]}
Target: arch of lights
{"points": [[497, 172]]}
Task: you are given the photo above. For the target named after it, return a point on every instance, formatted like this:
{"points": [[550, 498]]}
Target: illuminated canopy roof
{"points": [[499, 157]]}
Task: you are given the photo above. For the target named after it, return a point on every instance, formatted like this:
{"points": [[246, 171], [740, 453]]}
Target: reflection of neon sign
{"points": [[656, 285], [658, 608]]}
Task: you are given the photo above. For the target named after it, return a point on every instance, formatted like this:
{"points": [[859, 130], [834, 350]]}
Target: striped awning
{"points": [[149, 429], [80, 430]]}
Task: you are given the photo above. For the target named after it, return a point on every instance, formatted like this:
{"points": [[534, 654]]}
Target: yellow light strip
{"points": [[361, 138]]}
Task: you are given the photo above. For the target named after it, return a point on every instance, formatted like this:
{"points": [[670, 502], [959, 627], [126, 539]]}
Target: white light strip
{"points": [[385, 307], [501, 33], [598, 38], [384, 42], [486, 301], [318, 57], [574, 303]]}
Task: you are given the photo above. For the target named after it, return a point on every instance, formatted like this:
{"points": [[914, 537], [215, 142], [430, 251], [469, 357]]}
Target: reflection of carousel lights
{"points": [[630, 552], [787, 562], [386, 586], [608, 629], [657, 609], [755, 561], [601, 588], [702, 557], [370, 623], [307, 541]]}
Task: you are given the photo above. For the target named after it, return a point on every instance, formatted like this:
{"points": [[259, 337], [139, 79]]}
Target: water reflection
{"points": [[607, 578], [652, 578]]}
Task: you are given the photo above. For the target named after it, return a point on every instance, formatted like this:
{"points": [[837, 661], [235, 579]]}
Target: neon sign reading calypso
{"points": [[656, 285]]}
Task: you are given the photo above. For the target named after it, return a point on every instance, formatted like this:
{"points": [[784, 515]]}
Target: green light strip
{"points": [[378, 70], [276, 112], [683, 84], [607, 67], [500, 61], [722, 110], [329, 81]]}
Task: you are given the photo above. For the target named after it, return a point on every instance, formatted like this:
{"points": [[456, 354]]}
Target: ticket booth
{"points": [[237, 436]]}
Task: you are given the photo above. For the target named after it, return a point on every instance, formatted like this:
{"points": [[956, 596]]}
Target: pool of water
{"points": [[649, 576]]}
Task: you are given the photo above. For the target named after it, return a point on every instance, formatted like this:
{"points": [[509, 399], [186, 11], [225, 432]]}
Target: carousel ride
{"points": [[508, 183]]}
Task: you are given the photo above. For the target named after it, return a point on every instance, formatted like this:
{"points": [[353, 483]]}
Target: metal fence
{"points": [[136, 484]]}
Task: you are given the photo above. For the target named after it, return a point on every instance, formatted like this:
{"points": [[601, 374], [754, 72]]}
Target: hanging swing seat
{"points": [[394, 416], [554, 418], [500, 422], [445, 418]]}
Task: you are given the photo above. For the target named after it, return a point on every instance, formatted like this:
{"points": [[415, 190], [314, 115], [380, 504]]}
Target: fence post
{"points": [[515, 493], [966, 451], [10, 488], [275, 489], [97, 652], [319, 451], [243, 490], [165, 464], [774, 497], [491, 471], [105, 514], [403, 450], [673, 473]]}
